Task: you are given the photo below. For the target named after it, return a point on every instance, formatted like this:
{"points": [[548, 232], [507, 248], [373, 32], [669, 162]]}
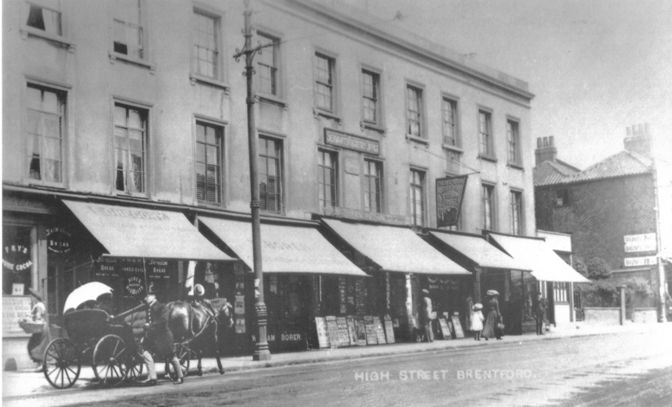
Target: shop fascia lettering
{"points": [[129, 213]]}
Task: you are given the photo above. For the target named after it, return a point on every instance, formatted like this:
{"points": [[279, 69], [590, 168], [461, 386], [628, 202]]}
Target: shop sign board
{"points": [[58, 240], [14, 308], [457, 326], [639, 261], [445, 330], [449, 194], [389, 329], [351, 141], [645, 242]]}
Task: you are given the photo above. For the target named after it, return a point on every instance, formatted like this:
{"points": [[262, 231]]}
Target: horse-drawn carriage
{"points": [[108, 343]]}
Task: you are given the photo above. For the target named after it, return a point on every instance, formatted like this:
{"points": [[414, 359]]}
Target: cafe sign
{"points": [[16, 257], [449, 195]]}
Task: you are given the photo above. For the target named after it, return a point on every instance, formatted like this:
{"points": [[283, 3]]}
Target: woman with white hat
{"points": [[493, 316]]}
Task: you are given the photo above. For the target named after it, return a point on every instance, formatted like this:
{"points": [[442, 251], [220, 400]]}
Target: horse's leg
{"points": [[199, 354], [219, 361]]}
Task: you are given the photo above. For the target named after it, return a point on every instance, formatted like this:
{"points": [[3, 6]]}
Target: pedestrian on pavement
{"points": [[38, 340], [427, 315], [477, 320], [493, 317], [468, 309], [540, 313]]}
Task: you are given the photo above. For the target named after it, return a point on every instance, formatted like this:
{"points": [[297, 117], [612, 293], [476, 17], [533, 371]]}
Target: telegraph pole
{"points": [[261, 351]]}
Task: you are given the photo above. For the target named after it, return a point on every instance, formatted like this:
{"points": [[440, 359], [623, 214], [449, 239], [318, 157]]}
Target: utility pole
{"points": [[261, 351]]}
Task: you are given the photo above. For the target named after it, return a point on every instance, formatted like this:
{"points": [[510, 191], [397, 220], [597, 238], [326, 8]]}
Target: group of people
{"points": [[492, 324]]}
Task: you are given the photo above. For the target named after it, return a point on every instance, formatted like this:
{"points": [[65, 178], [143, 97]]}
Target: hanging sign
{"points": [[58, 240], [449, 195]]}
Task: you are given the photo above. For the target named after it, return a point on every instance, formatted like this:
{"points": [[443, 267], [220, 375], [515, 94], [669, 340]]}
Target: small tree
{"points": [[597, 269]]}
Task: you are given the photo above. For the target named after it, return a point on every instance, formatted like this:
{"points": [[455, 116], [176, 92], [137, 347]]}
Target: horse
{"points": [[200, 324]]}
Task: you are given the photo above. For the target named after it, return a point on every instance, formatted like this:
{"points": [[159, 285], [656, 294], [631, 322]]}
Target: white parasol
{"points": [[86, 292]]}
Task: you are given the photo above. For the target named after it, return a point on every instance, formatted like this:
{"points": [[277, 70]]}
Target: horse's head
{"points": [[224, 311]]}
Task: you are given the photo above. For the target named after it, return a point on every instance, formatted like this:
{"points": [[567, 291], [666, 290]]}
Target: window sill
{"points": [[27, 31], [194, 78], [272, 99], [208, 204], [114, 56], [139, 196], [487, 158], [517, 166], [417, 139], [372, 126], [329, 115], [45, 184], [452, 148]]}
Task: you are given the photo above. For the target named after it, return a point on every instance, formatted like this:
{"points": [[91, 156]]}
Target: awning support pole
{"points": [[572, 316], [409, 305], [477, 284]]}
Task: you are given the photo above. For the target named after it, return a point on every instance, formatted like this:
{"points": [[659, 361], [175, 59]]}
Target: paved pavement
{"points": [[27, 384]]}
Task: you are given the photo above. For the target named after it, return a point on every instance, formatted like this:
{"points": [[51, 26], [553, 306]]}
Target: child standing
{"points": [[477, 320]]}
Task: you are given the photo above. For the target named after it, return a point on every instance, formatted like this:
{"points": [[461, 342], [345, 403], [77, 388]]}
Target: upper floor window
{"points": [[327, 182], [270, 174], [130, 138], [370, 97], [209, 140], [561, 197], [516, 213], [129, 36], [513, 141], [488, 197], [45, 16], [325, 80], [268, 62], [46, 117], [417, 195], [373, 186], [485, 133], [206, 52], [449, 116], [414, 125]]}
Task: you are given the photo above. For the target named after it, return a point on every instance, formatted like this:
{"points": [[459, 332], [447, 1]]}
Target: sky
{"points": [[594, 66]]}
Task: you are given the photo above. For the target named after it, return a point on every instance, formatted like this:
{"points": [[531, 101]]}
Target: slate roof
{"points": [[621, 164]]}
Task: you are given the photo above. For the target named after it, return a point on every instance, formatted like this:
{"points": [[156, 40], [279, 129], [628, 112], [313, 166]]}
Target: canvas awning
{"points": [[396, 249], [284, 248], [126, 231], [478, 250], [538, 256]]}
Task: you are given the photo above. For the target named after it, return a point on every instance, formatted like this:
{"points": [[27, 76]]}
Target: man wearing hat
{"points": [[426, 315], [159, 338]]}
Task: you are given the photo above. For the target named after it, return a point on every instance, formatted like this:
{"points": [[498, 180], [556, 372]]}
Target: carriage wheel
{"points": [[109, 356], [61, 364], [184, 354], [135, 368]]}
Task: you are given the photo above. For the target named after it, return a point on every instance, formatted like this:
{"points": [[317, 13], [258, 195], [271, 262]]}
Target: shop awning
{"points": [[478, 250], [284, 248], [538, 256], [396, 249], [138, 232]]}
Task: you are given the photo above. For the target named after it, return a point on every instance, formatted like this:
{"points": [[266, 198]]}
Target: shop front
{"points": [[547, 267], [402, 264], [143, 249], [491, 268], [304, 277]]}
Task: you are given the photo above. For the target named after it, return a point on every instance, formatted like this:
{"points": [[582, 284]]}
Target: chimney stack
{"points": [[638, 139], [546, 150]]}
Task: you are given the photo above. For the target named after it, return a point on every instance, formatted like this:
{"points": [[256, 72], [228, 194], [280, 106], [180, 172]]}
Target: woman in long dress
{"points": [[493, 317]]}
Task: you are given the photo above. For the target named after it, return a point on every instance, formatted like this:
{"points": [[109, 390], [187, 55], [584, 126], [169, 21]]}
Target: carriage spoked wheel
{"points": [[61, 364], [184, 354], [109, 357], [135, 368]]}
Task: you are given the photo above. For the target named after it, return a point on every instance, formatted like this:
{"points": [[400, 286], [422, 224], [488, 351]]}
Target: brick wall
{"points": [[599, 213]]}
